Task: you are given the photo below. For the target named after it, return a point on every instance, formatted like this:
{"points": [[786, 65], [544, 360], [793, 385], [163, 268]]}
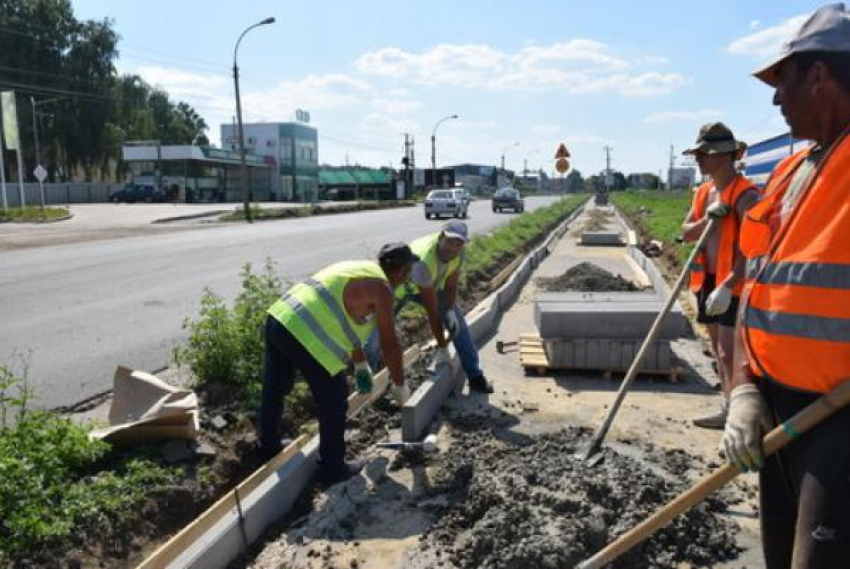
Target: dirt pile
{"points": [[532, 504], [597, 220], [587, 277]]}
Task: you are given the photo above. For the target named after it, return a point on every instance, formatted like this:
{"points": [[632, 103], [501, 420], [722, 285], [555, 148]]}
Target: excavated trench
{"points": [[587, 277]]}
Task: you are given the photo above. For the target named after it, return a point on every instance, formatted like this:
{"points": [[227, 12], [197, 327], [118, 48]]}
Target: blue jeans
{"points": [[466, 349]]}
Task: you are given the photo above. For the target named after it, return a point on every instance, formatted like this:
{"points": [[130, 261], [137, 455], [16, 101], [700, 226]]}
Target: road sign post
{"points": [[40, 174]]}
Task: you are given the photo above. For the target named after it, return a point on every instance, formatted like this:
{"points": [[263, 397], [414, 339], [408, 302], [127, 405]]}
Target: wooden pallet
{"points": [[533, 358]]}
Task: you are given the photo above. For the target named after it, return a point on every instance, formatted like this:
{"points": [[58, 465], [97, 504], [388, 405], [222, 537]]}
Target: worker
{"points": [[792, 343], [318, 327], [717, 273], [434, 285]]}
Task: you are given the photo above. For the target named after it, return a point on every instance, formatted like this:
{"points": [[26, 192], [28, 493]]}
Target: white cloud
{"points": [[546, 129], [768, 41], [754, 24], [386, 125], [396, 106], [577, 66], [683, 116]]}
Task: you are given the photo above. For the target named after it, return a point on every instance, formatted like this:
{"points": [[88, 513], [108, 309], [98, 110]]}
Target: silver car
{"points": [[445, 203]]}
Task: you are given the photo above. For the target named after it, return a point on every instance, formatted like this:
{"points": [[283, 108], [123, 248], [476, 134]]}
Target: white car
{"points": [[450, 203]]}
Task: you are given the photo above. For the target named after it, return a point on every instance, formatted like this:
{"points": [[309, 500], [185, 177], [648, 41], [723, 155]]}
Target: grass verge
{"points": [[32, 214], [658, 215], [260, 213]]}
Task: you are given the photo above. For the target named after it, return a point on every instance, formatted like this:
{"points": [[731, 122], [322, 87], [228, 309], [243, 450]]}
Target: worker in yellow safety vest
{"points": [[792, 341], [717, 272], [318, 327]]}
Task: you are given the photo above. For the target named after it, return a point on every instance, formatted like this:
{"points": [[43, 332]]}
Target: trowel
{"points": [[428, 445]]}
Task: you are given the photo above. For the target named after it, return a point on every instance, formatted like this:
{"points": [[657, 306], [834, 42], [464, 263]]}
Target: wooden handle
{"points": [[803, 421], [599, 435]]}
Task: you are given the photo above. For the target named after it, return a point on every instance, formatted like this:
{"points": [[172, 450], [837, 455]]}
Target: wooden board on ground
{"points": [[533, 359]]}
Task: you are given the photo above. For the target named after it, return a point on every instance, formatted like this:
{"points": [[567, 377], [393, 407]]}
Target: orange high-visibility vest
{"points": [[755, 234], [729, 229], [796, 322]]}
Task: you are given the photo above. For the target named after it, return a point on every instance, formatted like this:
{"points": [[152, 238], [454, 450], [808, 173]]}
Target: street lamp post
{"points": [[505, 149], [434, 148], [246, 192]]}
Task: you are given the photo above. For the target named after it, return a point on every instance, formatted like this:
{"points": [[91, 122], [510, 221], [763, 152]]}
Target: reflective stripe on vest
{"points": [[754, 266], [314, 313], [301, 311], [796, 324], [728, 229], [799, 325]]}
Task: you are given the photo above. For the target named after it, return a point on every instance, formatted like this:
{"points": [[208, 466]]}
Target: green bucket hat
{"points": [[716, 138]]}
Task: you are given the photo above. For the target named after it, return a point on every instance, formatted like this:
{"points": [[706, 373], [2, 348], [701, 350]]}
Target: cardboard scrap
{"points": [[145, 408]]}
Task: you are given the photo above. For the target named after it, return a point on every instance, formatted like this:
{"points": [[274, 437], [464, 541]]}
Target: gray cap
{"points": [[715, 138], [456, 230], [828, 29]]}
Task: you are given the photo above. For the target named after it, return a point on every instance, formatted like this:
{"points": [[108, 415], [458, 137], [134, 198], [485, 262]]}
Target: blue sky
{"points": [[635, 76]]}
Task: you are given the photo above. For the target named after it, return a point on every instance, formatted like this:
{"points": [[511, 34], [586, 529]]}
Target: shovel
{"points": [[599, 435], [780, 436]]}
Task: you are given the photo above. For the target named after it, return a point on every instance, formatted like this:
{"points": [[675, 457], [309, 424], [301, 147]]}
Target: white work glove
{"points": [[363, 377], [442, 358], [718, 301], [748, 420], [400, 393], [718, 210], [451, 323]]}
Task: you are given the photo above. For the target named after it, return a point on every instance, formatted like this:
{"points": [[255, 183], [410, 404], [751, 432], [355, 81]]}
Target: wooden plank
{"points": [[505, 273]]}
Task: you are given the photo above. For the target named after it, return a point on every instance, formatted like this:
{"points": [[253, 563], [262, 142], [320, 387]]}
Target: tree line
{"points": [[85, 109]]}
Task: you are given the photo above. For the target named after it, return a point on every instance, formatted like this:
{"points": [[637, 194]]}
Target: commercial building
{"points": [[476, 178], [290, 149], [197, 173]]}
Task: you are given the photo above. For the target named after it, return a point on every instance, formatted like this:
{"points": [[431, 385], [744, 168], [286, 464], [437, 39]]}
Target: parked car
{"points": [[140, 193], [508, 198], [445, 202]]}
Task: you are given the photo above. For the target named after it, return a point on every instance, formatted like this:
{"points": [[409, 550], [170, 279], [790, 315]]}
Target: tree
{"points": [[574, 182]]}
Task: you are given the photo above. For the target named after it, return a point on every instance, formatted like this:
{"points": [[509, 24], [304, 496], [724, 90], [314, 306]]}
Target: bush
{"points": [[50, 487], [32, 213], [225, 348]]}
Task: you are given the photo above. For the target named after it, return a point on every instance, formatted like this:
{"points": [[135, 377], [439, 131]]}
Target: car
{"points": [[445, 202], [508, 198], [139, 193], [463, 194]]}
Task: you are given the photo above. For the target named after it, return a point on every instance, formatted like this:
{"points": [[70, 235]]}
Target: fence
{"points": [[60, 194]]}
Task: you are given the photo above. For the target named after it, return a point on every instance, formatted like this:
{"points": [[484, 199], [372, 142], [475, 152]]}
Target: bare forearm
{"points": [[691, 230]]}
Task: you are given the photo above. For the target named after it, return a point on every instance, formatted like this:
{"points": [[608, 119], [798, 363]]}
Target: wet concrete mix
{"points": [[587, 277], [521, 501]]}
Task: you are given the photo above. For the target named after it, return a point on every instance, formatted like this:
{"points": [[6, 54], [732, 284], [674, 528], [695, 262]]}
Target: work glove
{"points": [[748, 420], [363, 377], [718, 210], [718, 301], [442, 358], [400, 393], [451, 323]]}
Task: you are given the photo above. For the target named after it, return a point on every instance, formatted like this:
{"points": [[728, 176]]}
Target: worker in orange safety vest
{"points": [[717, 272], [792, 341]]}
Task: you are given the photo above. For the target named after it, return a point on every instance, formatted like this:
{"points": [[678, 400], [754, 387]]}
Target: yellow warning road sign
{"points": [[562, 152]]}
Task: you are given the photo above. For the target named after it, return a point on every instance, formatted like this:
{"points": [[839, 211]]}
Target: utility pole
{"points": [[407, 189], [670, 170], [607, 168]]}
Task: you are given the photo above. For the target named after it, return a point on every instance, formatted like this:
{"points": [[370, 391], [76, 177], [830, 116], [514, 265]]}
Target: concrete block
{"points": [[600, 238], [611, 354], [420, 409], [572, 315]]}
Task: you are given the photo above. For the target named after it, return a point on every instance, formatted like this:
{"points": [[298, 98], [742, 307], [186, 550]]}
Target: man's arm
{"points": [[745, 202], [693, 228], [385, 319], [429, 302]]}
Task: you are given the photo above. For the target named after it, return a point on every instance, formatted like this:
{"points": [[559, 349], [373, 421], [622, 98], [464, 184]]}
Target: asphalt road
{"points": [[80, 309]]}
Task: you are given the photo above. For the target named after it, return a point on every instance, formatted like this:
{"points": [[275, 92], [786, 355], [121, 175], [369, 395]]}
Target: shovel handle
{"points": [[780, 436], [599, 435]]}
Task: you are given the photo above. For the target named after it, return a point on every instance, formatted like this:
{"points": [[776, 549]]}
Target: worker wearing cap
{"points": [[793, 336], [318, 328], [717, 272], [434, 284]]}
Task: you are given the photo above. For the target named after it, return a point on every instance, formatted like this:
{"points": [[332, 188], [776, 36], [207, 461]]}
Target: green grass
{"points": [[657, 215], [32, 213], [259, 213], [57, 486]]}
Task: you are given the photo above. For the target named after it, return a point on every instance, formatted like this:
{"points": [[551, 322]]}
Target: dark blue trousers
{"points": [[285, 355]]}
